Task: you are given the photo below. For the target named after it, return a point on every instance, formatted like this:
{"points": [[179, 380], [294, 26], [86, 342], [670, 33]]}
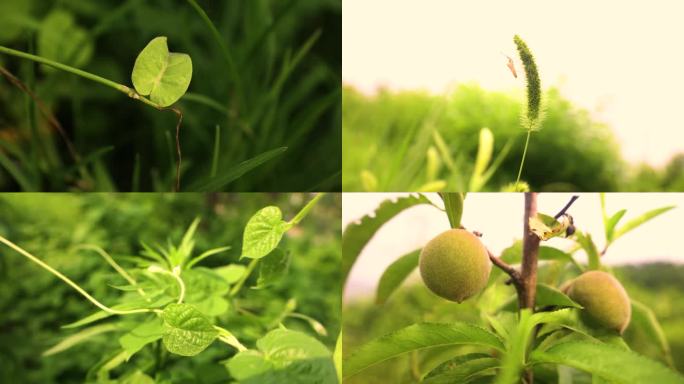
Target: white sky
{"points": [[499, 217], [622, 60]]}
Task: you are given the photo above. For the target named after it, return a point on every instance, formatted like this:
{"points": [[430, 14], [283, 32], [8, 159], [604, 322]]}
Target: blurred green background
{"points": [[284, 92], [389, 135], [35, 304], [657, 285]]}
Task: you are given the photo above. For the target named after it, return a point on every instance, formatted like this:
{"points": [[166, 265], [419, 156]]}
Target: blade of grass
{"points": [[215, 158], [230, 175]]}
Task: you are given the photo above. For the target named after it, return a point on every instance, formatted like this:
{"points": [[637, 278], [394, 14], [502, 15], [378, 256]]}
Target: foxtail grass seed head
{"points": [[532, 117]]}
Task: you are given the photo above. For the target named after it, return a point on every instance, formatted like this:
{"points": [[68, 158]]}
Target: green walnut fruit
{"points": [[455, 265], [605, 301]]}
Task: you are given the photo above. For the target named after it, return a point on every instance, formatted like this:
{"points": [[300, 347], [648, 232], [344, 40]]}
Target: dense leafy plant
{"points": [[69, 134], [550, 330], [170, 305]]}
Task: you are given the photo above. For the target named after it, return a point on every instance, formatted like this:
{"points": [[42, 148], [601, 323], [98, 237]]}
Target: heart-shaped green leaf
{"points": [[163, 75], [263, 232], [187, 331], [284, 356]]}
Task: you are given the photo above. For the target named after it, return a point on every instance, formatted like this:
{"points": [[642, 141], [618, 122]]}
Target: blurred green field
{"points": [[34, 304], [389, 136], [283, 92], [657, 285]]}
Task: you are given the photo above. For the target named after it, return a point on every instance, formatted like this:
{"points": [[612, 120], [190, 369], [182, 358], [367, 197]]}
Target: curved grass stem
{"points": [[224, 49], [69, 282], [522, 161]]}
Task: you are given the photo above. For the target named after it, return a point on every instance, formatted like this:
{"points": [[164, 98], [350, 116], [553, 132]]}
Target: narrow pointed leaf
{"points": [[395, 274], [416, 337], [356, 235], [609, 362]]}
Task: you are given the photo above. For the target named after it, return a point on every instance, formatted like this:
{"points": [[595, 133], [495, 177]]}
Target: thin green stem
{"points": [[522, 161], [227, 337], [114, 265], [69, 282], [175, 274], [304, 211], [224, 49], [78, 72], [241, 282]]}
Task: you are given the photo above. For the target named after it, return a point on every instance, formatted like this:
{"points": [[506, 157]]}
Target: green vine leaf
{"points": [[273, 268], [138, 337], [284, 356], [263, 233], [187, 331], [163, 75]]}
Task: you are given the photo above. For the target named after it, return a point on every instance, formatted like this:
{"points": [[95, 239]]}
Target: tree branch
{"points": [[567, 206], [530, 255]]}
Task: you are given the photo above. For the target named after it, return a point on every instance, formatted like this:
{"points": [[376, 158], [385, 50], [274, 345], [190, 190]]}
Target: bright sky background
{"points": [[499, 217], [622, 60]]}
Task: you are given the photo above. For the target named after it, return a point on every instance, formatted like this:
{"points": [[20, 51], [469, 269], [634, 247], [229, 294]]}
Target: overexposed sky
{"points": [[621, 60], [499, 216]]}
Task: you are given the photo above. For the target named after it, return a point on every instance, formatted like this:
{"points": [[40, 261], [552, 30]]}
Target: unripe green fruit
{"points": [[604, 299], [455, 265]]}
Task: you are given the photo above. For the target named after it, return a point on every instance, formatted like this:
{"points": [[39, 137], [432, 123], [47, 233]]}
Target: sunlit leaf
{"points": [[587, 243], [231, 273], [284, 356], [138, 337], [187, 331], [263, 232], [416, 337], [80, 337], [641, 219], [609, 362], [163, 75]]}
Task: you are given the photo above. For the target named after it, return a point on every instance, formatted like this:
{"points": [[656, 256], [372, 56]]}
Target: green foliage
{"points": [[61, 39], [280, 92], [607, 362], [395, 274], [162, 75], [263, 233], [357, 235], [419, 337], [416, 337], [284, 356], [389, 134], [186, 305], [187, 331]]}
